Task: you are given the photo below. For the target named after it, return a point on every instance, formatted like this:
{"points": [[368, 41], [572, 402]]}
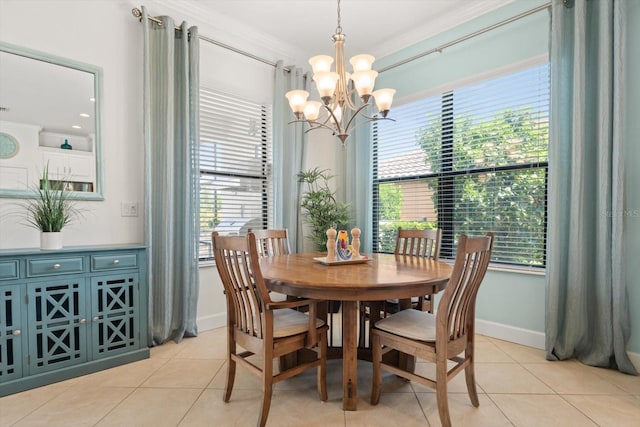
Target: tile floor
{"points": [[182, 385]]}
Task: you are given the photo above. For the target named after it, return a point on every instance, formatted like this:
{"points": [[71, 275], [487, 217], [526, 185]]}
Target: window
{"points": [[470, 160], [235, 162]]}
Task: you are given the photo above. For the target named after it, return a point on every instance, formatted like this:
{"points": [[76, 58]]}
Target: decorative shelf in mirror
{"points": [[51, 107]]}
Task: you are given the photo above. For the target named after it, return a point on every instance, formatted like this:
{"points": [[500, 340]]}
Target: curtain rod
{"points": [[467, 37], [138, 14]]}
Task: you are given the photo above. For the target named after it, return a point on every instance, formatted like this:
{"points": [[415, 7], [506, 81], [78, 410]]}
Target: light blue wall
{"points": [[517, 299], [632, 171], [508, 298]]}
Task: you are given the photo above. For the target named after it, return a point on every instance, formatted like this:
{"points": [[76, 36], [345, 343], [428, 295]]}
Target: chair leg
{"points": [[231, 367], [470, 377], [267, 390], [441, 392], [376, 356], [322, 369]]}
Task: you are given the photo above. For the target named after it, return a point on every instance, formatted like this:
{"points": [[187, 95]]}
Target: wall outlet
{"points": [[129, 209]]}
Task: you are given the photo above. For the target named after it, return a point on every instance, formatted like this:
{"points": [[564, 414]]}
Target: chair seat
{"points": [[413, 324], [288, 322]]}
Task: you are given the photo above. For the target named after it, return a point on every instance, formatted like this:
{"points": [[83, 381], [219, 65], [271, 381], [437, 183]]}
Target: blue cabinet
{"points": [[70, 312]]}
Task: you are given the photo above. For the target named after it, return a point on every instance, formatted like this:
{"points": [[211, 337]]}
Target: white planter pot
{"points": [[50, 240]]}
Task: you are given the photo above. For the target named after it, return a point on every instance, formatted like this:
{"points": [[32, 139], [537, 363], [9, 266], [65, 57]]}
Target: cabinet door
{"points": [[116, 314], [79, 167], [10, 332], [57, 164], [57, 324]]}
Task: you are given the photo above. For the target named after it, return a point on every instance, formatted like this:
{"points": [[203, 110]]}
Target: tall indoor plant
{"points": [[321, 209], [50, 210]]}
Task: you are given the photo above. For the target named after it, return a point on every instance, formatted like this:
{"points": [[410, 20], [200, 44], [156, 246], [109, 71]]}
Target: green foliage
{"points": [[390, 204], [53, 207], [321, 209], [510, 203]]}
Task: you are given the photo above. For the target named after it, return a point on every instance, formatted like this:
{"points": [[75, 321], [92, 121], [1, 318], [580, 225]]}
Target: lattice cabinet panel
{"points": [[115, 307], [10, 333], [58, 324], [70, 312]]}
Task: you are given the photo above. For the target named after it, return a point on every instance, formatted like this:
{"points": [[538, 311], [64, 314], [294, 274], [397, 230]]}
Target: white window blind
{"points": [[235, 166], [471, 160]]}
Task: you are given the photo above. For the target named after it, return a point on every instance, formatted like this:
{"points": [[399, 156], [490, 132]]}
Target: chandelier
{"points": [[336, 89]]}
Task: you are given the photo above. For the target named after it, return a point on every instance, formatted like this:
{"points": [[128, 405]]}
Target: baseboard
{"points": [[211, 322], [635, 359], [510, 333]]}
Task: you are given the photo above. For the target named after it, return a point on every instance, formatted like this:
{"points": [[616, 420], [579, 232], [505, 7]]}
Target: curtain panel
{"points": [[288, 155], [171, 108], [587, 311]]}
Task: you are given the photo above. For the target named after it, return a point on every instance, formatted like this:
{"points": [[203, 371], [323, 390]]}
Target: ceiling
{"points": [[304, 27]]}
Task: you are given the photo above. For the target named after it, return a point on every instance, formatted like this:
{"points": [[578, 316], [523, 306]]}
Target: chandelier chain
{"points": [[339, 27]]}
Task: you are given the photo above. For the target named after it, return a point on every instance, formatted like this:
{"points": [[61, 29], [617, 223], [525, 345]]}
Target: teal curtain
{"points": [[587, 314], [358, 179], [288, 155], [171, 80]]}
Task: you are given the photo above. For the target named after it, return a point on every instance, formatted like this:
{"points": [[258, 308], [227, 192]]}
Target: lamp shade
{"points": [[297, 100], [384, 98], [361, 62], [321, 63], [364, 81], [326, 83], [312, 110]]}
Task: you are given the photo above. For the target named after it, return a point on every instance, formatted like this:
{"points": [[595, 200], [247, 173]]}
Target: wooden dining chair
{"points": [[442, 337], [272, 242], [261, 326], [421, 243]]}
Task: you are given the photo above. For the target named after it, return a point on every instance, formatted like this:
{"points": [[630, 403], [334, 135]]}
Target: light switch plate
{"points": [[129, 209]]}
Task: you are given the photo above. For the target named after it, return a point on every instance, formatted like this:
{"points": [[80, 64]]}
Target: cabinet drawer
{"points": [[112, 262], [9, 270], [41, 267]]}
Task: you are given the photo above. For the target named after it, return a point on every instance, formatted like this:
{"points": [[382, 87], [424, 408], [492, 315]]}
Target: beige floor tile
{"points": [[462, 412], [394, 409], [488, 352], [521, 353], [629, 383], [293, 409], [76, 406], [609, 411], [533, 410], [152, 407], [207, 345], [16, 406], [572, 377], [166, 350], [210, 410], [185, 373], [508, 378], [129, 375]]}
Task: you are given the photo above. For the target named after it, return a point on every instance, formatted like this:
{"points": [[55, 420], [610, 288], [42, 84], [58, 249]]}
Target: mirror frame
{"points": [[98, 193]]}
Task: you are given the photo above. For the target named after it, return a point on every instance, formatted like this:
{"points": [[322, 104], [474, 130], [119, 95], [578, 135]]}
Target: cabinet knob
{"points": [[56, 266], [17, 333], [116, 261], [83, 321], [95, 319]]}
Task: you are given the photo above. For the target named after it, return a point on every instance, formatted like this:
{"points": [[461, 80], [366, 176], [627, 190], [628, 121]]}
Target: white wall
{"points": [[102, 33]]}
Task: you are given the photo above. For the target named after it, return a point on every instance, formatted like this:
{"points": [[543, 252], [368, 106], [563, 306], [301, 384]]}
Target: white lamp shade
{"points": [[297, 100], [321, 63], [384, 98], [364, 81], [326, 83], [312, 110], [361, 62]]}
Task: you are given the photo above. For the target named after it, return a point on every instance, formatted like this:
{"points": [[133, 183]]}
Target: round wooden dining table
{"points": [[380, 277]]}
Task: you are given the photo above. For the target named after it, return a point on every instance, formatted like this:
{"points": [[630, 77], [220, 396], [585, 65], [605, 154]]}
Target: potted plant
{"points": [[50, 210], [321, 209]]}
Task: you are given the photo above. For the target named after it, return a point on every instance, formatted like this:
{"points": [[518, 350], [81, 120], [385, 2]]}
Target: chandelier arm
{"points": [[373, 119], [335, 119], [354, 115]]}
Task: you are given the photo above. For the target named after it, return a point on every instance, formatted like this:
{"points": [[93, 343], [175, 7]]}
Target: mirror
{"points": [[49, 116]]}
